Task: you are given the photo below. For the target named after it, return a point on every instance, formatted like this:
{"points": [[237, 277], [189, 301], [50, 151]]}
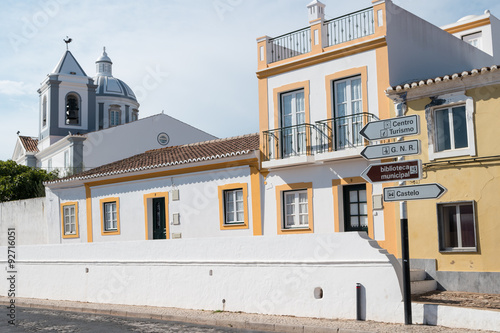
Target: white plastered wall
{"points": [[268, 275], [321, 176], [198, 205], [115, 143], [316, 76]]}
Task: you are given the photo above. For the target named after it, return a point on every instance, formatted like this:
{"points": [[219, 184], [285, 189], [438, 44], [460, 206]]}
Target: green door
{"points": [[355, 208], [159, 227]]}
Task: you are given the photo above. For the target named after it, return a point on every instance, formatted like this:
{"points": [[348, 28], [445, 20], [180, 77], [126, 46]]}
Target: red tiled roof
{"points": [[29, 143], [169, 156], [439, 79]]}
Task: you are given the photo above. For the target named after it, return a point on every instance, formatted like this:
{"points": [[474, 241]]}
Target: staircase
{"points": [[419, 284]]}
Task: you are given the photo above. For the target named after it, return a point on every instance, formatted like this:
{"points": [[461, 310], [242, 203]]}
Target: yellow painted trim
{"points": [[386, 111], [336, 188], [261, 64], [235, 186], [101, 204], [315, 49], [263, 110], [70, 203], [287, 88], [333, 52], [224, 165], [329, 80], [467, 26], [88, 202], [279, 207], [277, 105], [380, 30], [329, 83], [256, 201], [147, 196]]}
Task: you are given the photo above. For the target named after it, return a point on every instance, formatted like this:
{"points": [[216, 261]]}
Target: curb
{"points": [[259, 326]]}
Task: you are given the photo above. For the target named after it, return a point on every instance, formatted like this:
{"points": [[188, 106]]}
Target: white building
{"points": [[86, 122]]}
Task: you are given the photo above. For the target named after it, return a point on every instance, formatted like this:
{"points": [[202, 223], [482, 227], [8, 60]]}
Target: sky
{"points": [[194, 60]]}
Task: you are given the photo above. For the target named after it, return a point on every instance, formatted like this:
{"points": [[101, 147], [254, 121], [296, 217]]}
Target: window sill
{"points": [[234, 226], [459, 250], [301, 230]]}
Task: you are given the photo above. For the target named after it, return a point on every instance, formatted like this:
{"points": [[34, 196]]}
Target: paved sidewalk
{"points": [[232, 319]]}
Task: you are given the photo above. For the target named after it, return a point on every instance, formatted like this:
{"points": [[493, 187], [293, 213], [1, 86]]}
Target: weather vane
{"points": [[67, 41]]}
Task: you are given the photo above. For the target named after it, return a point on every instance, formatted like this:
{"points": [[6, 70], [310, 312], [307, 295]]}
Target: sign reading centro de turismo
{"points": [[391, 128], [393, 171]]}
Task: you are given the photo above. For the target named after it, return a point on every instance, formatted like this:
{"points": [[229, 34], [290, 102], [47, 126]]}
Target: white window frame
{"points": [[296, 214], [475, 36], [232, 211], [348, 127], [69, 218], [442, 235], [449, 101], [109, 223]]}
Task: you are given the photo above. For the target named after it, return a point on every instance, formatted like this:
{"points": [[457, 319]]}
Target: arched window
{"points": [[115, 115], [72, 110], [44, 111]]}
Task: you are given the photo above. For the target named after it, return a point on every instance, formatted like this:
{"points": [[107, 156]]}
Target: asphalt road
{"points": [[40, 320]]}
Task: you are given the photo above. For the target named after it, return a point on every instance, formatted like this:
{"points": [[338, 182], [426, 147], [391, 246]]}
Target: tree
{"points": [[22, 182]]}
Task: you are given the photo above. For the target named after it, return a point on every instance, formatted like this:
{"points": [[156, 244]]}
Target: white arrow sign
{"points": [[414, 192], [391, 128], [388, 150]]}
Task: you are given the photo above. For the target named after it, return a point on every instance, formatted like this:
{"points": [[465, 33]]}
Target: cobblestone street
{"points": [[39, 320]]}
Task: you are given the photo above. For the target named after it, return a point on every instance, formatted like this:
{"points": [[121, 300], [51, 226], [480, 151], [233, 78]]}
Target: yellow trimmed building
{"points": [[455, 238]]}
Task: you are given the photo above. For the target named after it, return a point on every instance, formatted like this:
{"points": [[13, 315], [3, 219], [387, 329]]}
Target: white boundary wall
{"points": [[268, 275], [28, 217]]}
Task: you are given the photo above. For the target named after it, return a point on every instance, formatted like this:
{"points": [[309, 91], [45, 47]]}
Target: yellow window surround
{"points": [[101, 204], [76, 234], [222, 214], [279, 208]]}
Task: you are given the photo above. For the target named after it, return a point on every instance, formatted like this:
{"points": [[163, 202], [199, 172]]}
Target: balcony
{"points": [[349, 27], [342, 132], [335, 31], [330, 139]]}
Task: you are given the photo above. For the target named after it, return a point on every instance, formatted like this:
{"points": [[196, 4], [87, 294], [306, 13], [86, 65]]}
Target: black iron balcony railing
{"points": [[291, 44], [288, 141], [348, 27], [341, 132]]}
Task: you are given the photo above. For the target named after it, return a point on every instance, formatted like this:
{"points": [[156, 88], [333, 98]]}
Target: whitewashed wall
{"points": [[321, 176], [115, 143], [269, 275], [316, 76], [27, 217], [198, 205]]}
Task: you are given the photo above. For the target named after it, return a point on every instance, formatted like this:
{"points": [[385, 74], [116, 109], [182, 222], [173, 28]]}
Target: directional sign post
{"points": [[388, 150], [391, 128], [413, 192], [394, 171]]}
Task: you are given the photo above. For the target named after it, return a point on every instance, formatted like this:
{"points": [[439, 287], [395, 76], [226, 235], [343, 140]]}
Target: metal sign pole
{"points": [[405, 249]]}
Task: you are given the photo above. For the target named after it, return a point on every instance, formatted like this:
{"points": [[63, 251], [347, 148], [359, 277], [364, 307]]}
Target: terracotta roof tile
{"points": [[29, 143], [190, 153], [439, 79]]}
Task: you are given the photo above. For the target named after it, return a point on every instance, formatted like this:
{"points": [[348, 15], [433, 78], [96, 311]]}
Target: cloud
{"points": [[14, 88]]}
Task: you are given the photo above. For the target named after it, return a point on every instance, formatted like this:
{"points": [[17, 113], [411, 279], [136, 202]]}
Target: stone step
{"points": [[417, 275], [423, 286]]}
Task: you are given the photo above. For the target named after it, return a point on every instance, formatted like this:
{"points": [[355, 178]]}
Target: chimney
{"points": [[316, 11]]}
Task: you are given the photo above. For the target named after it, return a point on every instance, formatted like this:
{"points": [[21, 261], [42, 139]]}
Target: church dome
{"points": [[107, 85]]}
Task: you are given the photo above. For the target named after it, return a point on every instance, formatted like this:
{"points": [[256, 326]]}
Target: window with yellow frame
{"points": [[233, 206], [294, 208], [69, 219], [110, 216]]}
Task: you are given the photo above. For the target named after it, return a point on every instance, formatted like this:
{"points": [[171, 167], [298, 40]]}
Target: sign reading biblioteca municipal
{"points": [[394, 171]]}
